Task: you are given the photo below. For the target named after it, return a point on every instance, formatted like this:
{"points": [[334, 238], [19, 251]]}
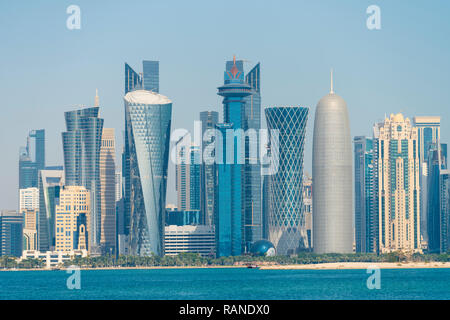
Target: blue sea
{"points": [[226, 283]]}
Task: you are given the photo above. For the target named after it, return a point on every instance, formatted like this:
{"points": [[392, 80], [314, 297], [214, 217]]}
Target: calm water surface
{"points": [[226, 283]]}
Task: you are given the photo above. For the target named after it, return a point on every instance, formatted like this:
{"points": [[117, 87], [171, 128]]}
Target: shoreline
{"points": [[318, 266], [360, 265]]}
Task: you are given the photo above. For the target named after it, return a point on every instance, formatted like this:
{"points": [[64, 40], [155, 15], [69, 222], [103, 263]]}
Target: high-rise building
{"points": [[11, 225], [50, 183], [252, 169], [332, 177], [108, 191], [30, 229], [231, 220], [188, 174], [437, 205], [28, 199], [118, 185], [72, 219], [209, 120], [398, 185], [147, 123], [149, 80], [429, 132], [29, 167], [307, 207], [287, 228], [366, 194], [444, 184], [81, 145]]}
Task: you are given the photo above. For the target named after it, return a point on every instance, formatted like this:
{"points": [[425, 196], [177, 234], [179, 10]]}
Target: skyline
{"points": [[78, 62]]}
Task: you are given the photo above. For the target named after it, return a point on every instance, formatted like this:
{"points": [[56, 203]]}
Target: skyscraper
{"points": [[11, 225], [28, 199], [108, 190], [398, 185], [149, 79], [72, 219], [366, 194], [50, 184], [147, 124], [29, 167], [287, 228], [231, 180], [252, 169], [437, 201], [209, 120], [332, 177], [118, 183], [444, 199], [307, 207], [81, 145], [188, 174], [429, 132]]}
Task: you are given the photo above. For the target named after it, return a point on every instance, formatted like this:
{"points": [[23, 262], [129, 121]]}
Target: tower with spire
{"points": [[332, 176]]}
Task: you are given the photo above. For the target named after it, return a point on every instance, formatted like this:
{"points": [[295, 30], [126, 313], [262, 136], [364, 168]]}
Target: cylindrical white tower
{"points": [[332, 177]]}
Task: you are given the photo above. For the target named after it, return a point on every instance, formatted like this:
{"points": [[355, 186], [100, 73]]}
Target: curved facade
{"points": [[332, 177], [147, 123], [81, 146], [286, 222]]}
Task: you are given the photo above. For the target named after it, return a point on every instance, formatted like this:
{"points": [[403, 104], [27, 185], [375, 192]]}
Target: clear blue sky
{"points": [[47, 69]]}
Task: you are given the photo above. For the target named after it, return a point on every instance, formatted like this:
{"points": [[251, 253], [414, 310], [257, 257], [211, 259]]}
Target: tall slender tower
{"points": [[147, 124], [398, 185], [108, 190], [287, 228], [332, 176], [230, 220]]}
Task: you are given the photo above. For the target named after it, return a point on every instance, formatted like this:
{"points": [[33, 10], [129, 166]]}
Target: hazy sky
{"points": [[47, 69]]}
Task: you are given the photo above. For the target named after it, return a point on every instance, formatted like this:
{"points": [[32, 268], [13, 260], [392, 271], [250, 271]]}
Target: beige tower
{"points": [[398, 185], [108, 191], [72, 219]]}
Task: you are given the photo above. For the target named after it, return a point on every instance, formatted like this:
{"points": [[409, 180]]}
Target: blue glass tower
{"points": [[437, 206], [230, 234], [147, 124], [252, 169], [29, 167], [81, 146], [209, 120], [366, 194]]}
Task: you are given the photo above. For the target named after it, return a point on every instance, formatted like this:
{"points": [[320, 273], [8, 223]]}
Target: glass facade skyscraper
{"points": [[209, 120], [252, 169], [149, 80], [437, 201], [231, 184], [147, 124], [81, 146], [366, 194], [11, 226], [429, 132], [287, 227], [50, 184], [29, 167]]}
